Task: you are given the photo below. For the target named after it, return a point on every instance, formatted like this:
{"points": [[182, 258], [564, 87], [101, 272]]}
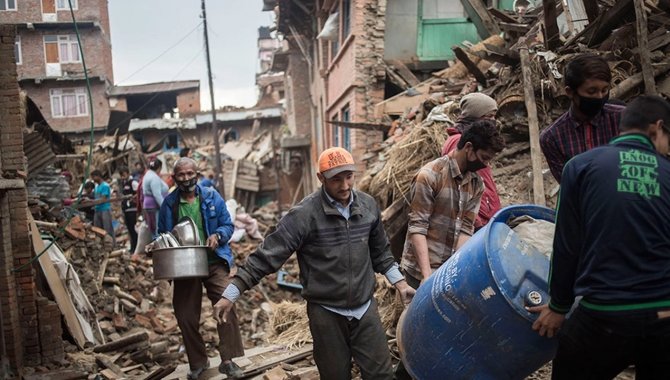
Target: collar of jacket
{"points": [[638, 138], [329, 209]]}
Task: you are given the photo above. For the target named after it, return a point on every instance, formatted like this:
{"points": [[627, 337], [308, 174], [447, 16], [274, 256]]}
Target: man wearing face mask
{"points": [[611, 247], [590, 122], [476, 106], [208, 210], [445, 197]]}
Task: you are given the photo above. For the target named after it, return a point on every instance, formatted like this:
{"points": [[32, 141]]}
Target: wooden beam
{"points": [[365, 126], [501, 16], [404, 72], [624, 88], [127, 340], [643, 45], [471, 66], [591, 7], [533, 126], [486, 25], [514, 27], [552, 38], [609, 20]]}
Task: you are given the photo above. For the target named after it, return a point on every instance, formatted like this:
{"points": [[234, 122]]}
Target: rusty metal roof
{"points": [[151, 88]]}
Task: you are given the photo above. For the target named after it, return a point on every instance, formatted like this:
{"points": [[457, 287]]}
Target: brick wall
{"points": [[17, 289], [188, 103], [40, 94], [51, 331], [31, 11], [299, 108]]}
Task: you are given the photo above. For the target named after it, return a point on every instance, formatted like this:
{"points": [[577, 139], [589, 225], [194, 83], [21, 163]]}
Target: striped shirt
{"points": [[568, 137], [444, 204]]}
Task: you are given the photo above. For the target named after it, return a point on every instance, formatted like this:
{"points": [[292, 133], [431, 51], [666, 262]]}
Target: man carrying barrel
{"points": [[445, 198], [612, 247], [340, 242], [208, 210]]}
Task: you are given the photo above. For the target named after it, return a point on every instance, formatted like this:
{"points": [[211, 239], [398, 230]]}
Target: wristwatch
{"points": [[219, 237]]}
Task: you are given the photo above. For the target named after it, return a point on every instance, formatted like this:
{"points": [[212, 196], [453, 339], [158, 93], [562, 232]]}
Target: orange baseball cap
{"points": [[333, 161]]}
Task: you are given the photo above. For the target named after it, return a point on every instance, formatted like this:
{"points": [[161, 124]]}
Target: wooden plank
{"points": [[57, 286], [533, 127], [285, 358], [643, 45], [552, 35], [364, 126], [609, 20], [398, 104], [404, 72], [106, 362], [514, 27], [501, 16], [141, 336], [591, 8], [247, 185], [61, 374], [486, 25], [471, 66], [624, 88]]}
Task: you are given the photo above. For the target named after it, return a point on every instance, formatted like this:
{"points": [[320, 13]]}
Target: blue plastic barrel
{"points": [[468, 320]]}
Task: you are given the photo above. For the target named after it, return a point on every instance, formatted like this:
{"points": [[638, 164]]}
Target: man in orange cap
{"points": [[340, 241]]}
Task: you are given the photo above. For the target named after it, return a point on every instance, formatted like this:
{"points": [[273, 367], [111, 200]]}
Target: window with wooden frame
{"points": [[63, 5], [343, 7], [61, 49], [8, 5], [69, 102]]}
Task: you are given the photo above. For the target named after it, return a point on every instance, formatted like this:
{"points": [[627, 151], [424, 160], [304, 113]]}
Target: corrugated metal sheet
{"points": [[250, 114], [150, 88], [186, 123], [38, 151]]}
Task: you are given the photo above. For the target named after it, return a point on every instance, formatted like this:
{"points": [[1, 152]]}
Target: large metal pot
{"points": [[186, 232], [180, 262]]}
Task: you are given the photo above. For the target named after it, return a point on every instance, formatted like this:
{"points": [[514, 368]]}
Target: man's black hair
{"points": [[89, 185], [483, 134], [184, 152], [643, 111], [96, 173], [124, 169], [586, 66]]}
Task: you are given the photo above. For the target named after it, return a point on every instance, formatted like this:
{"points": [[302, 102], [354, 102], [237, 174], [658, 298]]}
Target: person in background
{"points": [[476, 106], [208, 210], [340, 243], [87, 195], [612, 248], [129, 188], [138, 173], [185, 152], [154, 190], [445, 197], [590, 122], [207, 180], [103, 211]]}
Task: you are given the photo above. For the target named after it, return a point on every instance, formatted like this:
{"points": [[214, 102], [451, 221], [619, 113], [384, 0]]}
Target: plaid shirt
{"points": [[444, 204], [568, 137]]}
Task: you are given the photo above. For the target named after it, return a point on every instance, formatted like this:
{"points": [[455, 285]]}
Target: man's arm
{"points": [[554, 157], [379, 245], [225, 225], [470, 212], [421, 209], [157, 190], [567, 243]]}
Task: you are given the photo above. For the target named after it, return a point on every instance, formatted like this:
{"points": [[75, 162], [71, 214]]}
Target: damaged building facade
{"points": [[340, 58], [49, 65]]}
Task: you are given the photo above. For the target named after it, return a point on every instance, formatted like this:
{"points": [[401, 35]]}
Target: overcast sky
{"points": [[143, 29]]}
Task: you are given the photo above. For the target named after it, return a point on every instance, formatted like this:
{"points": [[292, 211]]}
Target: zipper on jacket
{"points": [[350, 269]]}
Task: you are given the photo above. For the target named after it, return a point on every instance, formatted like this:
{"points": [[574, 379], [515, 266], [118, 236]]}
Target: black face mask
{"points": [[591, 106], [474, 165], [187, 186]]}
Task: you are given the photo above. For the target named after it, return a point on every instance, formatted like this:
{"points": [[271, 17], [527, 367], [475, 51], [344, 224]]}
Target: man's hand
{"points": [[221, 310], [406, 292], [213, 241], [549, 321], [149, 247]]}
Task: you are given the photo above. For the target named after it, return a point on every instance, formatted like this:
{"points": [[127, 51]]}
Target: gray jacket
{"points": [[337, 257]]}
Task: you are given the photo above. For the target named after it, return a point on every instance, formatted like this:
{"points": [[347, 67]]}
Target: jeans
{"points": [[599, 345]]}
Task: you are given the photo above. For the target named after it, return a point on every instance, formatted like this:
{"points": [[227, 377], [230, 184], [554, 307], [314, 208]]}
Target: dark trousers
{"points": [[594, 345], [337, 339], [187, 301], [400, 372], [130, 217]]}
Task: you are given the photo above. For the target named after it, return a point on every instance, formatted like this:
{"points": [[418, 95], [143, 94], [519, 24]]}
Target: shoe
{"points": [[231, 370], [193, 374]]}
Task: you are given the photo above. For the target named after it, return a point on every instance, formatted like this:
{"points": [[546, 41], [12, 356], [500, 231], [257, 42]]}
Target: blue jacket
{"points": [[215, 217]]}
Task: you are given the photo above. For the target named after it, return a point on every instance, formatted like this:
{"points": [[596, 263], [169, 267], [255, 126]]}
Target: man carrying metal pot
{"points": [[208, 210], [340, 243]]}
